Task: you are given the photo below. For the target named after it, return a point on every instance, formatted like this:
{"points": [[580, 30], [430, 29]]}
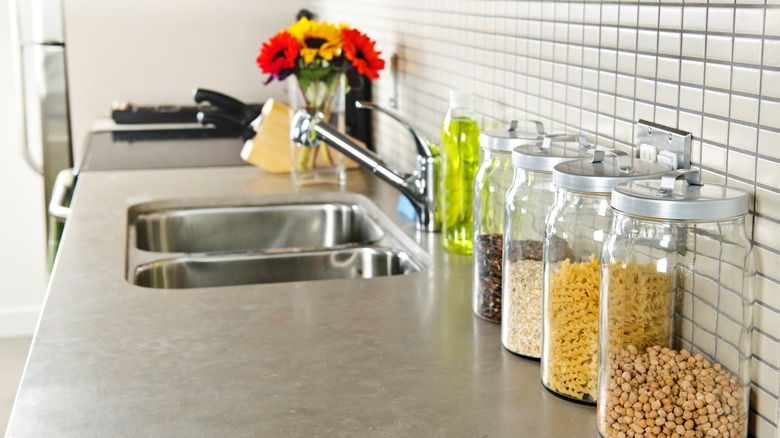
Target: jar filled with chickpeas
{"points": [[527, 202], [676, 310], [493, 178], [576, 228]]}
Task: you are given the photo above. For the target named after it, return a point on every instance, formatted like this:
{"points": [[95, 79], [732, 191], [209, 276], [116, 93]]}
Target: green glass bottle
{"points": [[458, 165]]}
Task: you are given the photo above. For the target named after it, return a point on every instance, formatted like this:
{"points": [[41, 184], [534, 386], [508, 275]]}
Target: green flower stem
{"points": [[317, 87]]}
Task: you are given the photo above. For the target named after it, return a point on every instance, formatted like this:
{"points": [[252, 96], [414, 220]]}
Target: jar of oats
{"points": [[676, 310], [576, 228], [527, 202], [493, 178]]}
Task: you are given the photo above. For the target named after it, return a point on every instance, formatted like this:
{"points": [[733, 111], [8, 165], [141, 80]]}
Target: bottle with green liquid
{"points": [[457, 166]]}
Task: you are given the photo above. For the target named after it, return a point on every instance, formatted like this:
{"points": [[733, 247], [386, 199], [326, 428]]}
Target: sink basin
{"points": [[272, 239], [255, 227], [188, 272]]}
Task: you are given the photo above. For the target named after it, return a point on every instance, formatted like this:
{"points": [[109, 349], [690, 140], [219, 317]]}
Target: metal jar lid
{"points": [[670, 197], [508, 139], [600, 174], [551, 150]]}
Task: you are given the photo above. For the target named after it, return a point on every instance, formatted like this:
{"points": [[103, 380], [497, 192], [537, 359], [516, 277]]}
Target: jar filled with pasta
{"points": [[527, 202], [676, 299], [493, 178], [576, 228]]}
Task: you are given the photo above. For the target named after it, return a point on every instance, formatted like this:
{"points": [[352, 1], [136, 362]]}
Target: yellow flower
{"points": [[316, 39]]}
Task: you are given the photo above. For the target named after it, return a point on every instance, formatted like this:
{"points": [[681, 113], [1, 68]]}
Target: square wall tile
{"points": [[768, 174], [669, 43], [743, 137], [747, 50], [714, 157], [719, 48], [767, 288], [746, 80], [768, 204], [772, 26], [693, 45], [769, 143], [715, 130], [749, 21], [716, 103], [647, 41], [695, 18], [720, 20], [626, 62], [628, 15], [717, 75], [741, 165], [744, 109], [690, 122], [645, 90], [646, 65], [671, 17], [692, 72], [648, 15], [770, 114], [627, 39], [770, 83], [667, 94], [666, 116]]}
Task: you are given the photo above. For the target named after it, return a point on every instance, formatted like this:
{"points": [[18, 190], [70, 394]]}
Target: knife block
{"points": [[270, 148]]}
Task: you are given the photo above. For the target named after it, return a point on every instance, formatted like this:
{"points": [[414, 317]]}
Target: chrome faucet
{"points": [[419, 187]]}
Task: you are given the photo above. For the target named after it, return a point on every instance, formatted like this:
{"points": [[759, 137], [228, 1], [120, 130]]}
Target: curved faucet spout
{"points": [[419, 187], [421, 142]]}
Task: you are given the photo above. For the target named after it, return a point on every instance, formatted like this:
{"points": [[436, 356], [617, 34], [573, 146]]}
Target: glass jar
{"points": [[527, 202], [676, 319], [576, 227], [492, 180]]}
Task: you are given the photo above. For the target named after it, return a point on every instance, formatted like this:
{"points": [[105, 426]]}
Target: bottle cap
{"points": [[460, 99]]}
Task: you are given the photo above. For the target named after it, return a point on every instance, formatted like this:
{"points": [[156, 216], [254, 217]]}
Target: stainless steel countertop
{"points": [[383, 357]]}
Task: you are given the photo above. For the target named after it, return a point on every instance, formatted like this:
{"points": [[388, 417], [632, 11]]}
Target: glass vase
{"points": [[320, 164]]}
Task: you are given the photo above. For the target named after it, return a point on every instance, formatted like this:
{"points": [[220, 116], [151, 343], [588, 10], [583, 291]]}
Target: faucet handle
{"points": [[421, 142]]}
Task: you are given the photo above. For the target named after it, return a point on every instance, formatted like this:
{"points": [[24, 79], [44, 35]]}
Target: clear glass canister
{"points": [[576, 227], [676, 319], [492, 180], [527, 202]]}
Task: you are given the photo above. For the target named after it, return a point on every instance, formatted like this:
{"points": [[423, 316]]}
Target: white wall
{"points": [[152, 52], [22, 228]]}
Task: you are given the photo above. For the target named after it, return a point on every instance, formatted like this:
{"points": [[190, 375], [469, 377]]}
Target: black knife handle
{"points": [[227, 103], [227, 123]]}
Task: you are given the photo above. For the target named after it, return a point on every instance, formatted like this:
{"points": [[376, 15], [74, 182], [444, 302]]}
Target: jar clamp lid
{"points": [[600, 174], [552, 149], [672, 198], [507, 139]]}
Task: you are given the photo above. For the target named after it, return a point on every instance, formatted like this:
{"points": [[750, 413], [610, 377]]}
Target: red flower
{"points": [[359, 50], [277, 57]]}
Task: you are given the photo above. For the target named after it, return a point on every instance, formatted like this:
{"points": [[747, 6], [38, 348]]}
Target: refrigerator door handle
{"points": [[61, 194], [21, 95]]}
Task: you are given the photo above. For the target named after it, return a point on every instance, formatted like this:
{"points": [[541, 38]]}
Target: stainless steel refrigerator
{"points": [[41, 64]]}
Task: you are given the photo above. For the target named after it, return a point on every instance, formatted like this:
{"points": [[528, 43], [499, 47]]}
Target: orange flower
{"points": [[359, 50], [278, 55]]}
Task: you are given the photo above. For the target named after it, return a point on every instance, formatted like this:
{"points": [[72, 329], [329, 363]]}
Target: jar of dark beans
{"points": [[527, 202], [493, 178]]}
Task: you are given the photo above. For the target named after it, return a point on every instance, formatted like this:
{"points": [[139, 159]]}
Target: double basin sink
{"points": [[300, 237]]}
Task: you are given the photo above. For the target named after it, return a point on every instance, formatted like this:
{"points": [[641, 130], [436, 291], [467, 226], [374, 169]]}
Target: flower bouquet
{"points": [[318, 57]]}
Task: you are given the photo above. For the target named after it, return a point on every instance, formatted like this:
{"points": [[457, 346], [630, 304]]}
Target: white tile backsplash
{"points": [[708, 67]]}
